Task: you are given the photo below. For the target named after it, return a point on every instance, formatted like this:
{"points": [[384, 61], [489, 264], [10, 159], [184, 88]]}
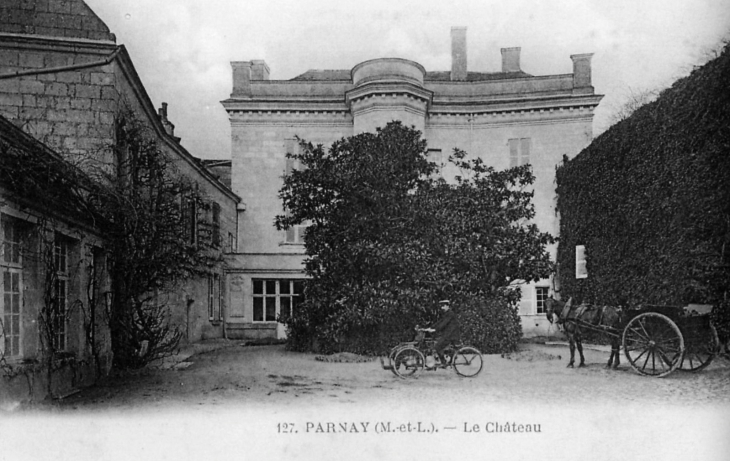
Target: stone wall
{"points": [[63, 80], [56, 18]]}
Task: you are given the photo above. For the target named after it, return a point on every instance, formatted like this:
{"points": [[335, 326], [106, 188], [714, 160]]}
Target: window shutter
{"points": [[514, 152], [581, 271], [525, 148], [291, 235], [216, 225]]}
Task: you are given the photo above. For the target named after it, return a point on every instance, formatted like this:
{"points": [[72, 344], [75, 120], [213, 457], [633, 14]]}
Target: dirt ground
{"points": [[264, 398]]}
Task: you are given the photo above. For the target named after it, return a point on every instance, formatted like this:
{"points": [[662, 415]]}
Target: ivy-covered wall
{"points": [[650, 200]]}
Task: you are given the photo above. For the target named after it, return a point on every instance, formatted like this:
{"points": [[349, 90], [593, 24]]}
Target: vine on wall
{"points": [[650, 200]]}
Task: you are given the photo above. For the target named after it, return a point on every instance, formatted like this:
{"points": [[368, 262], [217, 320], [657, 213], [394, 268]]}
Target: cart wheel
{"points": [[391, 358], [698, 356], [408, 362], [653, 344], [468, 362]]}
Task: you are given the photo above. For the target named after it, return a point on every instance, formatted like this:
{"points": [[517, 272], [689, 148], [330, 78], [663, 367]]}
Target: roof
{"points": [[325, 75], [445, 76], [331, 75]]}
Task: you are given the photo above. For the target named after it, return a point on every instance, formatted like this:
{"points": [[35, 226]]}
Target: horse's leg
{"points": [[571, 343], [579, 343], [613, 353], [615, 347], [610, 358]]}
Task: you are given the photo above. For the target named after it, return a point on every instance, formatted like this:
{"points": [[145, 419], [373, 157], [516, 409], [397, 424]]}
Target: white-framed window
{"points": [[11, 311], [541, 295], [11, 290], [519, 151], [59, 307], [215, 290], [276, 299]]}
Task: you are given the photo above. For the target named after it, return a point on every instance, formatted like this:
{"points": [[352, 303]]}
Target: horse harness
{"points": [[574, 313]]}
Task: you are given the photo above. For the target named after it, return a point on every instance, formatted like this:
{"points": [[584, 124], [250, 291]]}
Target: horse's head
{"points": [[551, 306], [554, 308]]}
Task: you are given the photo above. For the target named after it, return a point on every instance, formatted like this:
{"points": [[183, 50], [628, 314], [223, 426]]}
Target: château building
{"points": [[507, 118]]}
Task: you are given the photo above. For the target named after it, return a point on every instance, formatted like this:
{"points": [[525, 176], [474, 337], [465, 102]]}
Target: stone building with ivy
{"points": [[507, 118], [64, 81]]}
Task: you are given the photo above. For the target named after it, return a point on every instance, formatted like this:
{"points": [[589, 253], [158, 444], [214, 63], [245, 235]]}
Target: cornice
{"points": [[381, 89], [472, 122], [69, 44]]}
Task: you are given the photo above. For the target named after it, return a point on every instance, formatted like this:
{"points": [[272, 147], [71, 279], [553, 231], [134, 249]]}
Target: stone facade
{"points": [[506, 118], [63, 80]]}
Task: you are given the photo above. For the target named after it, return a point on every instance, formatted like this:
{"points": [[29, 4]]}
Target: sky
{"points": [[182, 49]]}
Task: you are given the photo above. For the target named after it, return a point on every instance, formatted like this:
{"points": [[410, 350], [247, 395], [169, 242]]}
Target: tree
{"points": [[387, 239], [156, 240]]}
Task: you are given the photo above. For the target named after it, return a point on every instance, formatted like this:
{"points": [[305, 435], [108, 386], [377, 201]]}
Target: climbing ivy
{"points": [[650, 200]]}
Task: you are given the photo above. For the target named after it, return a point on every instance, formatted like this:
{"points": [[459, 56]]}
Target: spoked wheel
{"points": [[408, 361], [468, 362], [391, 358], [698, 356], [653, 344]]}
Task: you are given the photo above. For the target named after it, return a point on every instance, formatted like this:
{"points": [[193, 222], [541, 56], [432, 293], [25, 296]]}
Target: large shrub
{"points": [[387, 240]]}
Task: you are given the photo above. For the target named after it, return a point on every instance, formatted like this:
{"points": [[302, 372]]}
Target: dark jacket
{"points": [[448, 327]]}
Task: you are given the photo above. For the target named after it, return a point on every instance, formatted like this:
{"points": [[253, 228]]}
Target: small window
{"points": [[519, 151], [541, 295], [296, 234]]}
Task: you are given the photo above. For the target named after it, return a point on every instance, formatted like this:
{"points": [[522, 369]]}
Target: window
{"points": [[10, 308], [519, 151], [189, 218], [216, 225], [296, 233], [59, 303], [437, 157], [276, 299], [11, 289], [214, 297], [541, 295], [231, 243], [12, 241]]}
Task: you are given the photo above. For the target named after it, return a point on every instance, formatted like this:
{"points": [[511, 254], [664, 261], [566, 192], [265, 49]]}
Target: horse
{"points": [[573, 318]]}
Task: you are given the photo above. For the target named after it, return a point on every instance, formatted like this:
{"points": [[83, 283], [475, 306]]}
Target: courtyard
{"points": [[266, 400]]}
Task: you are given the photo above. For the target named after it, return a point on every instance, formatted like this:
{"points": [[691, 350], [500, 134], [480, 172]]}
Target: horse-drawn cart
{"points": [[656, 339], [659, 339]]}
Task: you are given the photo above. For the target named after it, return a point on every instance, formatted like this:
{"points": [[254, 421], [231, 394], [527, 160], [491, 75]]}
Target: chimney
{"points": [[259, 70], [458, 53], [241, 78], [511, 59], [581, 70], [169, 127]]}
